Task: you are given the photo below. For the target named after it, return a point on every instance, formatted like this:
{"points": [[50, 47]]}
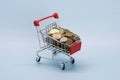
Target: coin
{"points": [[69, 34], [52, 31], [63, 39], [76, 37], [69, 41], [66, 30], [62, 30], [57, 35]]}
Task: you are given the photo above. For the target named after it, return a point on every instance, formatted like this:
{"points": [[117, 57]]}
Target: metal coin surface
{"points": [[69, 41], [52, 31], [57, 35], [61, 30], [63, 39], [69, 34]]}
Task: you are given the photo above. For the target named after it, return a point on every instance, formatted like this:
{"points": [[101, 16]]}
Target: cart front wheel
{"points": [[38, 58], [62, 66], [72, 60]]}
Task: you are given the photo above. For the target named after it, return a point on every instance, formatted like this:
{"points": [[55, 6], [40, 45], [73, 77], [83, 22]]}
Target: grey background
{"points": [[97, 22]]}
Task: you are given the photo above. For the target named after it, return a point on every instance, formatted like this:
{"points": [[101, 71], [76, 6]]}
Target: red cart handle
{"points": [[36, 22]]}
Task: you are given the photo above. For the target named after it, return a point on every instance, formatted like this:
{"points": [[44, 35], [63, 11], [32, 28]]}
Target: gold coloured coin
{"points": [[52, 31], [61, 30], [69, 34], [76, 37], [57, 35]]}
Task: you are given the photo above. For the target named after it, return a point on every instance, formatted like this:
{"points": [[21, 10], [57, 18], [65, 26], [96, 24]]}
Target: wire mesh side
{"points": [[43, 33]]}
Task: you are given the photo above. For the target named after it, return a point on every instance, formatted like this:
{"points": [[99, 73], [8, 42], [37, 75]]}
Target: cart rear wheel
{"points": [[38, 58], [62, 66], [72, 60]]}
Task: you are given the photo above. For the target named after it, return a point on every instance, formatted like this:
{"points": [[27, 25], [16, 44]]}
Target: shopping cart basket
{"points": [[54, 45]]}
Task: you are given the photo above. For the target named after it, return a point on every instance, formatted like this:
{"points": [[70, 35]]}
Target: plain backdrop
{"points": [[97, 22]]}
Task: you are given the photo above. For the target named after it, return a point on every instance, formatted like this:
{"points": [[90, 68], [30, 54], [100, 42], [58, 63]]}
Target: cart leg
{"points": [[72, 60]]}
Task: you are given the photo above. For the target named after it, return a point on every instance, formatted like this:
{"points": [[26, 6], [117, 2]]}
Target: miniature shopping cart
{"points": [[54, 45]]}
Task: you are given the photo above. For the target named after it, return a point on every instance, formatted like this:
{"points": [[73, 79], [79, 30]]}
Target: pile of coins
{"points": [[63, 35]]}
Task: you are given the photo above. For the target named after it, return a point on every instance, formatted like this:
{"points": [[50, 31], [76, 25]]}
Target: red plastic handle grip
{"points": [[36, 22]]}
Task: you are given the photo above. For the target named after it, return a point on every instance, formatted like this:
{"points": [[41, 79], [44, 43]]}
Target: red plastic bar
{"points": [[36, 22], [75, 47]]}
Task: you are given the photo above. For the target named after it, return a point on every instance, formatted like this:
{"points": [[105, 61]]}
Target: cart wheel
{"points": [[62, 66], [72, 60], [38, 59], [54, 52]]}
